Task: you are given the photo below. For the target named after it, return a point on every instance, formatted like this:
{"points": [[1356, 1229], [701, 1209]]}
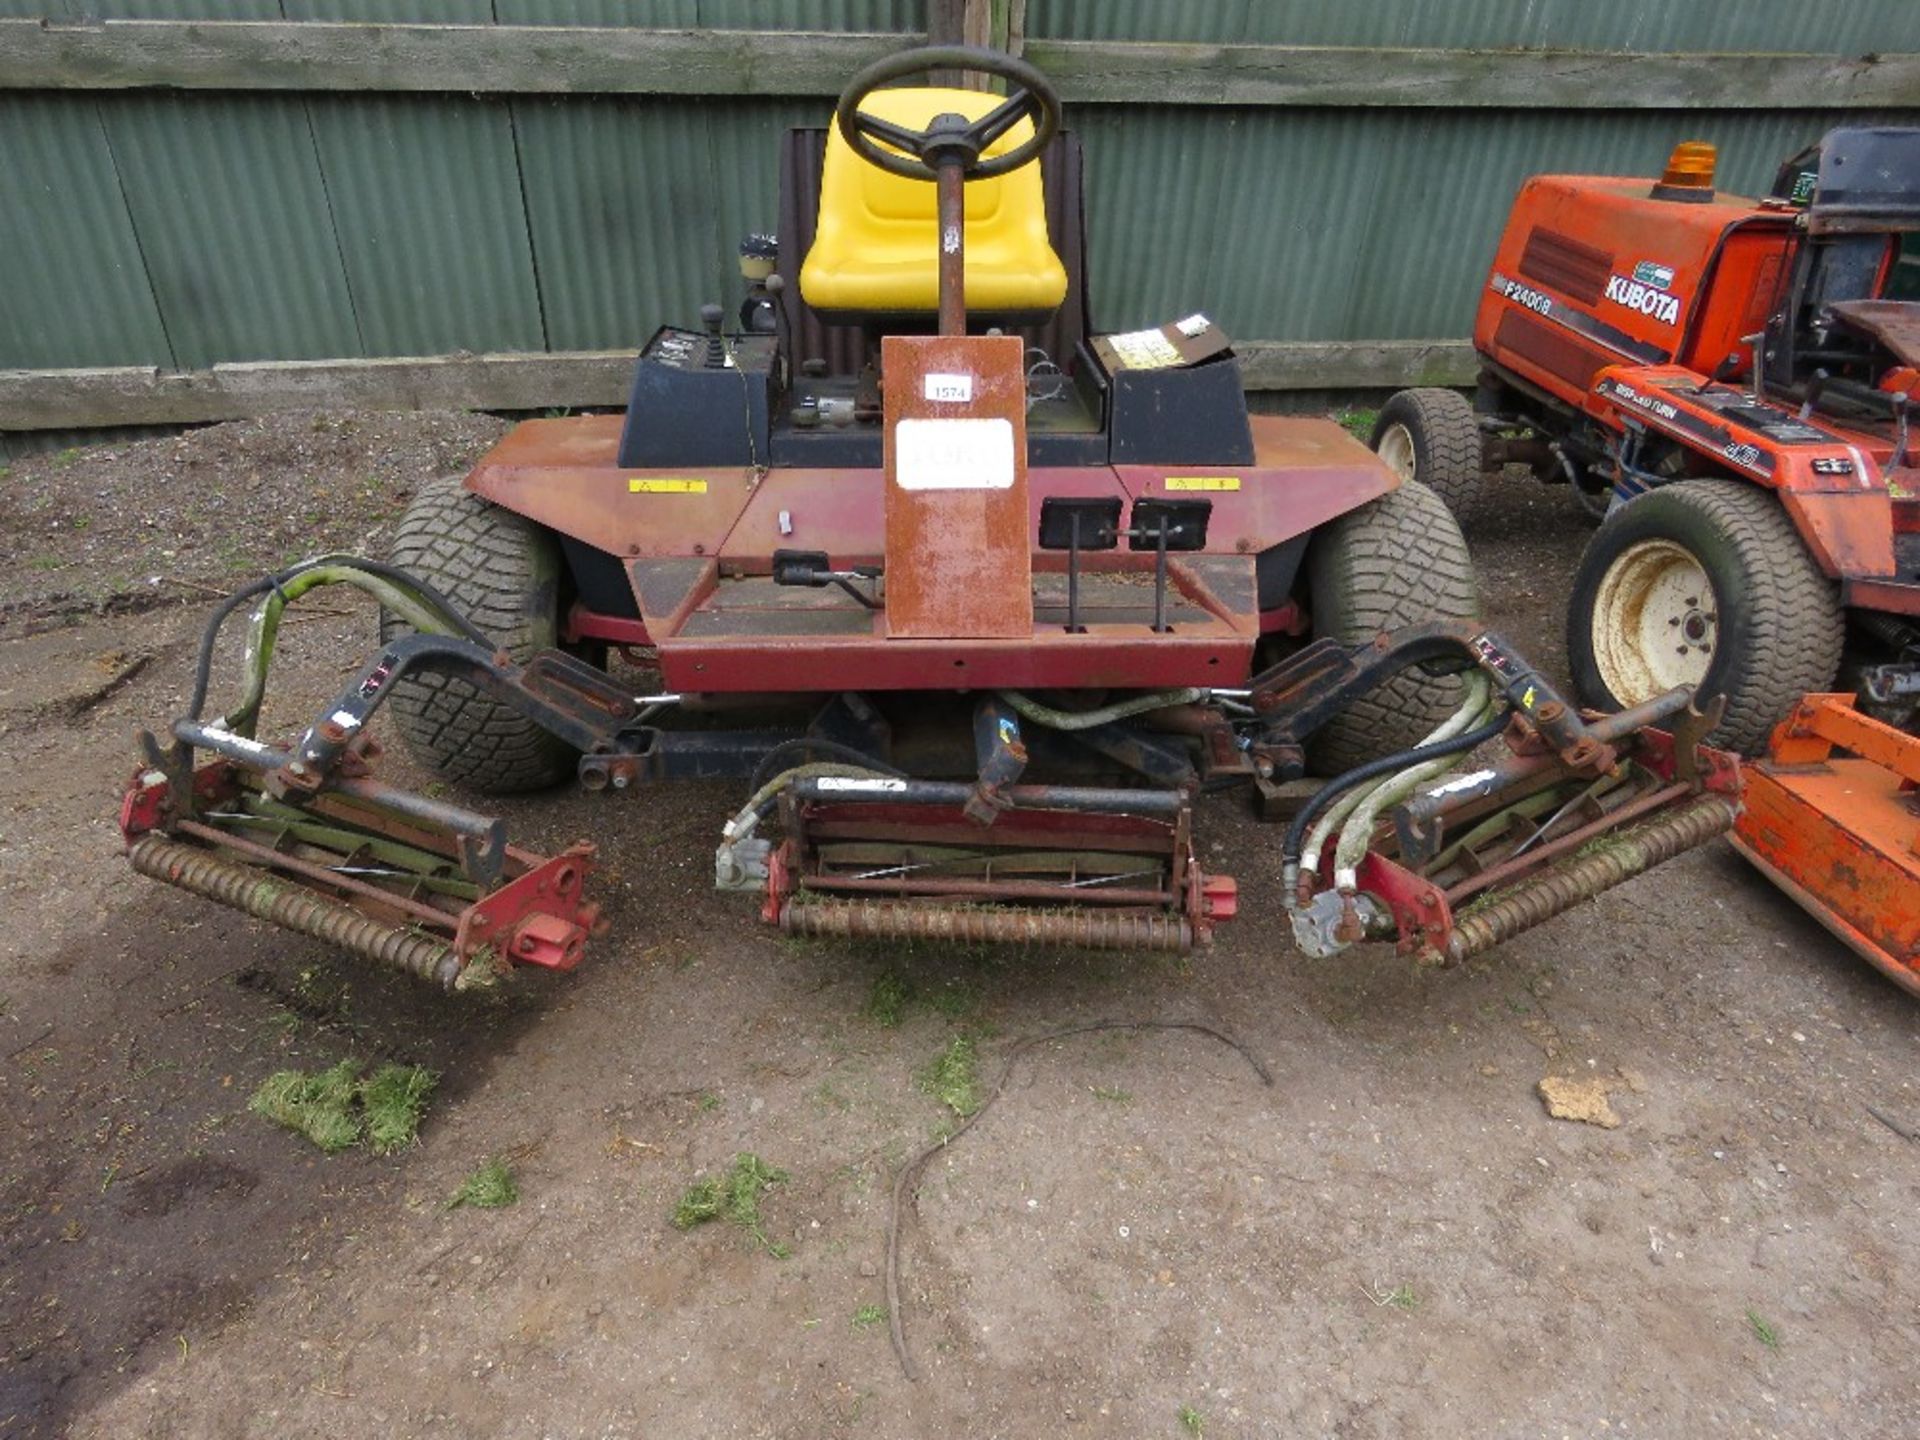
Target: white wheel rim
{"points": [[1396, 448], [1655, 622]]}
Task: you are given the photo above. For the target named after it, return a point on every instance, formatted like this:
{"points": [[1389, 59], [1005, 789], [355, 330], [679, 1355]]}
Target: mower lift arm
{"points": [[564, 696], [1306, 690]]}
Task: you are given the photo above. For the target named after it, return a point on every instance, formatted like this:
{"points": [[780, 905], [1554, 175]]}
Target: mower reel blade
{"points": [[371, 879], [1473, 861], [1056, 865]]}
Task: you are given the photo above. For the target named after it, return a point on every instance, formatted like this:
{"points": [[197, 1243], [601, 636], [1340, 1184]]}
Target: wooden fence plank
{"points": [[144, 395], [279, 55], [1189, 74], [1354, 364], [512, 59]]}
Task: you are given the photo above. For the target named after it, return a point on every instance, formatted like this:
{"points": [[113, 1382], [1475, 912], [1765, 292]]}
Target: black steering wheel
{"points": [[949, 136]]}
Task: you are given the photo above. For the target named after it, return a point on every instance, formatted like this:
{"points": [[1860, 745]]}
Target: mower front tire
{"points": [[1394, 562], [1431, 435], [1704, 583], [503, 571]]}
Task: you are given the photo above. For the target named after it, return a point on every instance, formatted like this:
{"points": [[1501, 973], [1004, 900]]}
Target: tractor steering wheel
{"points": [[949, 136]]}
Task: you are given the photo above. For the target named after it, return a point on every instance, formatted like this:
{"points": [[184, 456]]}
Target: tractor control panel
{"points": [[709, 398], [685, 350], [698, 399]]}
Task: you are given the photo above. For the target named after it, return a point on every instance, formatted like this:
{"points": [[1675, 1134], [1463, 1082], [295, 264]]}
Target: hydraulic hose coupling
{"points": [[1333, 921], [1533, 696], [1352, 929]]}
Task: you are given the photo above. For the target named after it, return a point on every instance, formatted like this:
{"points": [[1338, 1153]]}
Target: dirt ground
{"points": [[1141, 1238]]}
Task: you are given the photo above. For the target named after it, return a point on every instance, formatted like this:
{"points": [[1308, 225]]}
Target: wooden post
{"points": [[969, 22], [947, 22], [946, 25], [1011, 20]]}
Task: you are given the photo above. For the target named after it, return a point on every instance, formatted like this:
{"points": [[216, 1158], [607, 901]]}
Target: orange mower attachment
{"points": [[1840, 832]]}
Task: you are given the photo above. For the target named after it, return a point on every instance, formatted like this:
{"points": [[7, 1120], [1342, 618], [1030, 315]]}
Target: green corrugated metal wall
{"points": [[1843, 27], [182, 229]]}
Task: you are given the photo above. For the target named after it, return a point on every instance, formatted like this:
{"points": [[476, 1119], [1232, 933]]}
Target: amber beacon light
{"points": [[1689, 174]]}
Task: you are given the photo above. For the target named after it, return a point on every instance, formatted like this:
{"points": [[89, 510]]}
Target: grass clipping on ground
{"points": [[953, 1077], [491, 1187], [338, 1108], [734, 1197]]}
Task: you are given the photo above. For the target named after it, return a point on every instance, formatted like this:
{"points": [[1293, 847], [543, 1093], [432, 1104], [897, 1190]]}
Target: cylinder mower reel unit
{"points": [[303, 837], [973, 619]]}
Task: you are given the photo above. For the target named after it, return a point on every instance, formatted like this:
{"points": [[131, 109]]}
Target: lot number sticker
{"points": [[950, 387]]}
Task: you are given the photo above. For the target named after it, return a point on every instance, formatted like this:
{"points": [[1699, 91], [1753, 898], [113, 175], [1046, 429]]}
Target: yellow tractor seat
{"points": [[876, 247]]}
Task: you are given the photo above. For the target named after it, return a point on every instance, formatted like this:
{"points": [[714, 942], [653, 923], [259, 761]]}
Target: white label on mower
{"points": [[972, 454], [885, 787], [1144, 350], [246, 743], [345, 719], [950, 387], [1193, 325], [1462, 782]]}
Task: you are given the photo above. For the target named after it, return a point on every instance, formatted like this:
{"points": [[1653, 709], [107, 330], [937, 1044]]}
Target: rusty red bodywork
{"points": [[699, 564]]}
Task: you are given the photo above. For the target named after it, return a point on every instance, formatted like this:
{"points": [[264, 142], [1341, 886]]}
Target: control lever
{"points": [[1723, 372], [1162, 525], [1758, 340], [1902, 403], [813, 568], [1814, 386], [711, 316]]}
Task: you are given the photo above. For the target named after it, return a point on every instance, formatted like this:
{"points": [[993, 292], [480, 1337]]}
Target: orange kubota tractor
{"points": [[1728, 384]]}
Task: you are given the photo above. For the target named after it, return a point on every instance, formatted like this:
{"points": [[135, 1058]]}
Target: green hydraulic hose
{"points": [[264, 631], [1358, 829], [1030, 709], [1469, 714]]}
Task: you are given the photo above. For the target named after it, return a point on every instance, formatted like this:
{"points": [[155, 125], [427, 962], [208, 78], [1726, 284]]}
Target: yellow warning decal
{"points": [[667, 487], [1527, 699], [1202, 482]]}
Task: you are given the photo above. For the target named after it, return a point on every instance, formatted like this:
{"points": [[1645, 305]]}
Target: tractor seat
{"points": [[876, 250]]}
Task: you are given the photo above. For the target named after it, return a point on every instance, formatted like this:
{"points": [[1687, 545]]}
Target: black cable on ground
{"points": [[773, 762], [906, 1182], [1340, 784]]}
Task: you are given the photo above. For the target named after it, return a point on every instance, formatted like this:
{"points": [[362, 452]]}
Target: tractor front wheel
{"points": [[1703, 583], [503, 571], [1431, 435], [1397, 561]]}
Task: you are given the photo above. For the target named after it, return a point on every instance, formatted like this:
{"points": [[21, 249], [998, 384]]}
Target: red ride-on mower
{"points": [[975, 616]]}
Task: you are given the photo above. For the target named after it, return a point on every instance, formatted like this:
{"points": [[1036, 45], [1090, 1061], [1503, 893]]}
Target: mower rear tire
{"points": [[1431, 435], [1704, 583], [504, 572], [1394, 562]]}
